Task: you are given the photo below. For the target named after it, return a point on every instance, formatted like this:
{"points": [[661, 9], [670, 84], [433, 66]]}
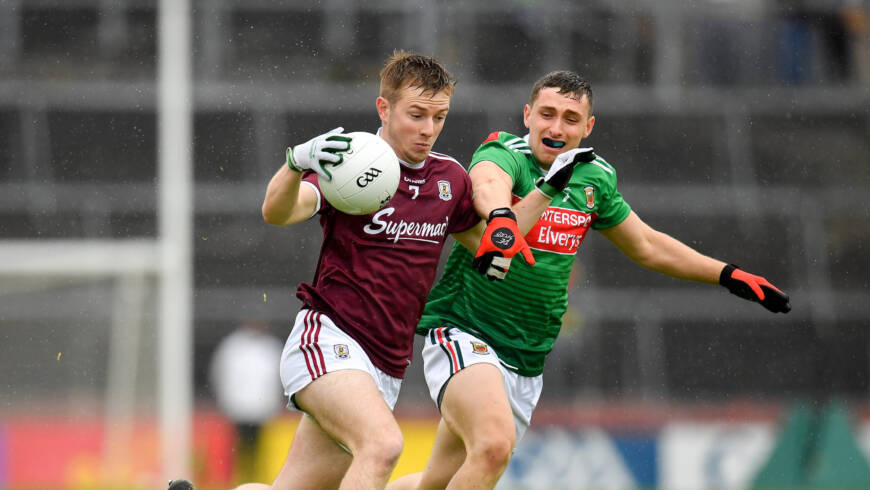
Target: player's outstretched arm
{"points": [[492, 190], [506, 225], [502, 238], [492, 187], [662, 253]]}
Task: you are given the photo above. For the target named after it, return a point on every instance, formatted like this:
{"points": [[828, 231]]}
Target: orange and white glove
{"points": [[501, 241]]}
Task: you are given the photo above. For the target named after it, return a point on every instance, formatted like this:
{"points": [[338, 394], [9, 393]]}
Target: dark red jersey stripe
{"points": [[306, 348], [317, 349]]}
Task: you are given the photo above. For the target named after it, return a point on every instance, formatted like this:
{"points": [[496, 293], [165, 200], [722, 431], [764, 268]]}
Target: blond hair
{"points": [[405, 69]]}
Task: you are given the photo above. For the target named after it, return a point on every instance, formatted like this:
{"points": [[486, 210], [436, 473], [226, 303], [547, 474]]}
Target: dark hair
{"points": [[567, 82], [405, 69]]}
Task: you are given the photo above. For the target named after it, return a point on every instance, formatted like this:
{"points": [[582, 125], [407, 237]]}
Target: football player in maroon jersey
{"points": [[344, 360]]}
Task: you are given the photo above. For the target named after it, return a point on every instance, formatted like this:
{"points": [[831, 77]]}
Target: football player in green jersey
{"points": [[476, 342]]}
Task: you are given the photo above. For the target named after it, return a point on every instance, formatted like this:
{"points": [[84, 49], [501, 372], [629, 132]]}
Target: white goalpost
{"points": [[175, 216]]}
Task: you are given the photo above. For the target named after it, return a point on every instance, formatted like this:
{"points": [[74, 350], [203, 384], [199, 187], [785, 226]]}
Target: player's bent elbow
{"points": [[272, 217]]}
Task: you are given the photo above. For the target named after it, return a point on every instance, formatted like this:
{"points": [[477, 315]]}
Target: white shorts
{"points": [[447, 350], [316, 346]]}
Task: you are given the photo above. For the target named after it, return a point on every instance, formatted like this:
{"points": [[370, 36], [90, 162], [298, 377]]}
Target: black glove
{"points": [[500, 242], [561, 170], [754, 288]]}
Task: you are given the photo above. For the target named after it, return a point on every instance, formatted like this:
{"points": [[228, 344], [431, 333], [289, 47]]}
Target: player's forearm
{"points": [[676, 259], [492, 190], [470, 238], [282, 193], [530, 209]]}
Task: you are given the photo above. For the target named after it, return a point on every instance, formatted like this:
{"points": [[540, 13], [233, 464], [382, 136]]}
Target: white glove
{"points": [[562, 169], [315, 153]]}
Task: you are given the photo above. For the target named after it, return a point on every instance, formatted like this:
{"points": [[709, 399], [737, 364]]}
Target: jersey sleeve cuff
{"points": [[546, 189]]}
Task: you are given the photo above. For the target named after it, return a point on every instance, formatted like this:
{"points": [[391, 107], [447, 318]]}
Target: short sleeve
{"points": [[310, 178], [611, 206], [493, 149], [612, 212]]}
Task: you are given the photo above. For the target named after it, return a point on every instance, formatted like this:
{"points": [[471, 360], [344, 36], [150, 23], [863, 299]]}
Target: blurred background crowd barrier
{"points": [[741, 127]]}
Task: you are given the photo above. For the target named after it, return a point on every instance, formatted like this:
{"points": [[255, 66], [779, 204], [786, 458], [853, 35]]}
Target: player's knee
{"points": [[391, 448], [493, 453], [383, 451]]}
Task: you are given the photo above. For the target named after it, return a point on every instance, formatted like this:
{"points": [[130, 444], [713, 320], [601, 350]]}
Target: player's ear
{"points": [[527, 111], [589, 123], [383, 106]]}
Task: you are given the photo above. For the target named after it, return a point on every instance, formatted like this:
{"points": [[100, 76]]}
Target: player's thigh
{"points": [[448, 454], [466, 381], [476, 406], [328, 375], [314, 461], [349, 407]]}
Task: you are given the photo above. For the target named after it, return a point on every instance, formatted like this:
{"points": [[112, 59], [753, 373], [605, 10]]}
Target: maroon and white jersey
{"points": [[375, 271]]}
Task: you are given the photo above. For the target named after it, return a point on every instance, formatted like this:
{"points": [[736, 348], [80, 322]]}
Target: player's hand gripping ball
{"points": [[359, 177], [319, 151]]}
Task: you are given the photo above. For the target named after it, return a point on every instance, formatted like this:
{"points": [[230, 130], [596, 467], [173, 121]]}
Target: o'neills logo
{"points": [[405, 230], [559, 230]]}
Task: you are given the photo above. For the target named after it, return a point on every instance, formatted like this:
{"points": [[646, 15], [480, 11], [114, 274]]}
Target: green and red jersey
{"points": [[521, 316]]}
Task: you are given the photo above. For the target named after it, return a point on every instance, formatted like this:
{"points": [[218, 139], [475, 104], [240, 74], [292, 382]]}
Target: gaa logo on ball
{"points": [[367, 178]]}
